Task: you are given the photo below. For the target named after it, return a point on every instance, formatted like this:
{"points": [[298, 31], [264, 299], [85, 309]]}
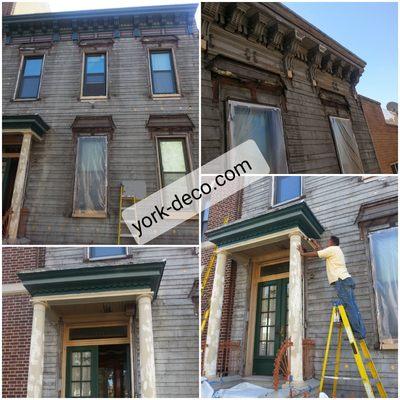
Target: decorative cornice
{"points": [[235, 17], [258, 28], [33, 122], [291, 46], [314, 58]]}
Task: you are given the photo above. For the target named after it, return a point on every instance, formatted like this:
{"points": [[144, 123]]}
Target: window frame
{"points": [[273, 190], [89, 258], [188, 158], [94, 214], [331, 116], [89, 52], [230, 102], [395, 168], [171, 50], [20, 76]]}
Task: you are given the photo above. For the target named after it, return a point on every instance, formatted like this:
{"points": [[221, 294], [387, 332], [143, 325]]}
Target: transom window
{"points": [[101, 253], [174, 162], [95, 75], [286, 188], [163, 77], [263, 124], [346, 146], [90, 191], [29, 82]]}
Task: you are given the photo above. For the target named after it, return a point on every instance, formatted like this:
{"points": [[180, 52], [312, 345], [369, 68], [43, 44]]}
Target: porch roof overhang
{"points": [[297, 215], [33, 122], [100, 279]]}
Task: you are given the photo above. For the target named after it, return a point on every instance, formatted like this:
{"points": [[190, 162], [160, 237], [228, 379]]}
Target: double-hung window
{"points": [[346, 146], [30, 77], [286, 188], [90, 190], [174, 160], [104, 253], [95, 75], [263, 124], [163, 79]]}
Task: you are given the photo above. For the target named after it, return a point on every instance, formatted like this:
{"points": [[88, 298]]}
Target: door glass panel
{"points": [[85, 389], [271, 333], [86, 357], [271, 351], [86, 373], [263, 349], [263, 335], [76, 373], [264, 306], [76, 358], [76, 389]]}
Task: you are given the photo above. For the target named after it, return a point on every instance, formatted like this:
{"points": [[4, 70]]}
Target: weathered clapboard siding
{"points": [[131, 152], [309, 142], [335, 201], [175, 325]]}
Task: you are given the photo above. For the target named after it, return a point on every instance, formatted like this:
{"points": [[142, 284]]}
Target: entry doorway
{"points": [[10, 166], [271, 324], [98, 371]]}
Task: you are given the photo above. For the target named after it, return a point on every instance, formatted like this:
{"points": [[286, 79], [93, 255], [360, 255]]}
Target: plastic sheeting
{"points": [[264, 125], [244, 389], [346, 146], [383, 244], [91, 175]]}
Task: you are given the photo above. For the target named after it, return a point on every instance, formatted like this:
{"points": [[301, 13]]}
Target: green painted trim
{"points": [[297, 215], [32, 122], [94, 279]]}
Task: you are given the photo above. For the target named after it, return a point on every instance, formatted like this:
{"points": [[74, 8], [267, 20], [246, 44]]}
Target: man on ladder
{"points": [[340, 279]]}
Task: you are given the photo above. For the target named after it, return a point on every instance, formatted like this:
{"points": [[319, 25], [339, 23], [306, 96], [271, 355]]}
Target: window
{"points": [[163, 79], [174, 163], [383, 247], [204, 222], [395, 168], [90, 191], [262, 124], [346, 146], [29, 81], [95, 75], [286, 188], [101, 253]]}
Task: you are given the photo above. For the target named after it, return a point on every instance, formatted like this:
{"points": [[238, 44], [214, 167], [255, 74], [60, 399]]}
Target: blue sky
{"points": [[367, 29]]}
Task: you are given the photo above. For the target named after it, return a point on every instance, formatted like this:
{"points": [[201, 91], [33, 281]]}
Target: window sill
{"points": [[166, 96], [93, 98], [30, 99], [90, 259], [89, 214], [288, 201]]}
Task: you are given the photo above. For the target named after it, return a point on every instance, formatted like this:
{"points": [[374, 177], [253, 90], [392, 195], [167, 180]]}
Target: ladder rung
{"points": [[342, 378]]}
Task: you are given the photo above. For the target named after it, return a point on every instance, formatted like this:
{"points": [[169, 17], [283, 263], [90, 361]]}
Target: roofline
{"points": [[369, 99], [107, 12], [293, 18]]}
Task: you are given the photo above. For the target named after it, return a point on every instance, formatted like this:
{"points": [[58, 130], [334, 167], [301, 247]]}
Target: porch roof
{"points": [[34, 122], [297, 215], [94, 279]]}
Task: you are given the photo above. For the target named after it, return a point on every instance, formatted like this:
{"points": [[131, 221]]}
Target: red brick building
{"points": [[384, 134]]}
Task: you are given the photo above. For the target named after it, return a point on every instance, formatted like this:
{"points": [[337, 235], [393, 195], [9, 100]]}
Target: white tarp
{"points": [[244, 389]]}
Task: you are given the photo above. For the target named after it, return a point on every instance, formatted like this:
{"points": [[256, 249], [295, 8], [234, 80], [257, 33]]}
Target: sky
{"points": [[369, 30]]}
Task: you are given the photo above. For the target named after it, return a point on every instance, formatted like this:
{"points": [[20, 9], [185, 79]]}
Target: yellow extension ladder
{"points": [[204, 281], [339, 315], [125, 201]]}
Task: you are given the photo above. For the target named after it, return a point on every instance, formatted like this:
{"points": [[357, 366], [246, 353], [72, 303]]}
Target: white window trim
{"points": [[21, 64], [106, 257], [178, 86], [86, 52], [99, 214], [233, 103], [273, 204]]}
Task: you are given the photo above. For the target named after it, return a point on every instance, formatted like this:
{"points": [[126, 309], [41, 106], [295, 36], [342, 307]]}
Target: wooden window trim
{"points": [[19, 76], [85, 53], [90, 214], [155, 96], [107, 257]]}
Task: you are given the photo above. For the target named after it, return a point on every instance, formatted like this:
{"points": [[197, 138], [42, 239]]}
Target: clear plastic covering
{"points": [[346, 146], [264, 125], [383, 245], [91, 176]]}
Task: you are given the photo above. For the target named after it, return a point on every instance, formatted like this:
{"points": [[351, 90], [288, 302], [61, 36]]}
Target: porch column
{"points": [[147, 366], [35, 374], [295, 323], [214, 321], [19, 186]]}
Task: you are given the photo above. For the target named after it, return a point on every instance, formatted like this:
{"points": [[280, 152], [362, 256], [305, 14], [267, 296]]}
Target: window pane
{"points": [[271, 351], [86, 373], [85, 389], [383, 246], [287, 188], [76, 373], [262, 349], [95, 64], [90, 179], [264, 126], [98, 252], [29, 87], [76, 358], [76, 389], [163, 82], [95, 78], [161, 61], [172, 156], [86, 358], [172, 177], [96, 333], [33, 66], [346, 146]]}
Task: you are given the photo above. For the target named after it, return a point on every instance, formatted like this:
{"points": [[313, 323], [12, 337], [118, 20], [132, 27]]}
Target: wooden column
{"points": [[19, 187]]}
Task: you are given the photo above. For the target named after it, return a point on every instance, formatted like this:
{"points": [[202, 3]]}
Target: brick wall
{"points": [[229, 208], [17, 320], [384, 136]]}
